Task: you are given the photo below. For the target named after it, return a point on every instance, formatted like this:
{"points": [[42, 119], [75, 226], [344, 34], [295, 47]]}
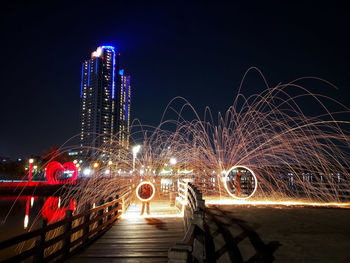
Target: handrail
{"points": [[91, 226], [192, 247]]}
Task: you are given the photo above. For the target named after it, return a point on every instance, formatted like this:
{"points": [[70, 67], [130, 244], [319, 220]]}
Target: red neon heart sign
{"points": [[53, 169]]}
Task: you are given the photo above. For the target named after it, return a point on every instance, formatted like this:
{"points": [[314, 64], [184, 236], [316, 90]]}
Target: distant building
{"points": [[104, 101], [123, 122]]}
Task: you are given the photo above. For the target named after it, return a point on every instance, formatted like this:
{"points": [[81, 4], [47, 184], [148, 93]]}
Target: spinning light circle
{"points": [[226, 181], [145, 199]]}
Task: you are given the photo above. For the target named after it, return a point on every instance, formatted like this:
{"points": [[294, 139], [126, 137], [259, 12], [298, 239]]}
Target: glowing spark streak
{"points": [[275, 203]]}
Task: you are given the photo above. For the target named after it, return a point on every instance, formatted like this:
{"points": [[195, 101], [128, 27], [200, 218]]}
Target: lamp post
{"points": [[95, 168], [110, 168], [135, 150], [30, 170], [172, 162]]}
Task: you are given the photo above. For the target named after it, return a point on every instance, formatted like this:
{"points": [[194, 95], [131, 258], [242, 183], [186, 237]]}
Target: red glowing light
{"points": [[52, 210], [54, 168]]}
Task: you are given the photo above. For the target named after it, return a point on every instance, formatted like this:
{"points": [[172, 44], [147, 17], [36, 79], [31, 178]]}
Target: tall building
{"points": [[104, 101], [123, 122]]}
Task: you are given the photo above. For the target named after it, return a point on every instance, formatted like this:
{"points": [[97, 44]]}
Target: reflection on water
{"points": [[53, 211], [19, 214]]}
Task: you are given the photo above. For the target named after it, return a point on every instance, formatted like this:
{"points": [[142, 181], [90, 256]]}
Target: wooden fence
{"points": [[71, 234], [193, 246]]}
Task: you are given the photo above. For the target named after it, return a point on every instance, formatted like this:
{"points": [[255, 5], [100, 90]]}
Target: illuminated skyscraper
{"points": [[123, 122], [103, 101]]}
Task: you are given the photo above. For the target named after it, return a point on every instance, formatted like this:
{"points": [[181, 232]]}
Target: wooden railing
{"points": [[72, 233], [192, 247]]}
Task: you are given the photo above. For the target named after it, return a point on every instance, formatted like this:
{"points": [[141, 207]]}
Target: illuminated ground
{"points": [[285, 234], [158, 208], [137, 239]]}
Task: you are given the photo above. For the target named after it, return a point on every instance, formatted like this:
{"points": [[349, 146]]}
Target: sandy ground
{"points": [[285, 234]]}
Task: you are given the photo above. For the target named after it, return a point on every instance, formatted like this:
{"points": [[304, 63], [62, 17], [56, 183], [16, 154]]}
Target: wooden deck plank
{"points": [[135, 240]]}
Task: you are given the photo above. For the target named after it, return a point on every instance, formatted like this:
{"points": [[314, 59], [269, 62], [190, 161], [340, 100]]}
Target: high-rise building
{"points": [[123, 122], [105, 101]]}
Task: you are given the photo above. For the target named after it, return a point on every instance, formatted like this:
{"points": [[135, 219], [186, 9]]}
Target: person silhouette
{"points": [[237, 183], [145, 192]]}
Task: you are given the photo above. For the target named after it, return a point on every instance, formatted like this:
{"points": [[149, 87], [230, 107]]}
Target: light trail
{"points": [[293, 155], [275, 203]]}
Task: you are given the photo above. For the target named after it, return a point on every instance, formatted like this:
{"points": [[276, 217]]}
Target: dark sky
{"points": [[196, 50]]}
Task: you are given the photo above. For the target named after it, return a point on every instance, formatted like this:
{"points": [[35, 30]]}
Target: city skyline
{"points": [[104, 101], [174, 131], [198, 51]]}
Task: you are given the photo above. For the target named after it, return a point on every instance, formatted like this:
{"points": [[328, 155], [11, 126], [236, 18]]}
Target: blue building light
{"points": [[108, 47], [121, 72], [113, 72], [96, 62]]}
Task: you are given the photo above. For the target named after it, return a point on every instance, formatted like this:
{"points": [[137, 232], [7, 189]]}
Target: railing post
{"points": [[116, 205], [110, 199], [123, 205], [67, 228], [86, 229], [100, 213], [39, 243]]}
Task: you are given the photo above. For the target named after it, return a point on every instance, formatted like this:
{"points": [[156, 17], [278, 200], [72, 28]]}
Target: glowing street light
{"points": [[173, 161], [135, 150], [110, 168], [31, 161], [95, 165], [86, 171]]}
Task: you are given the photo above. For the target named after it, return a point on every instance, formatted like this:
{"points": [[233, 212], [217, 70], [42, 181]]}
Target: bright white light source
{"points": [[87, 171], [173, 161], [136, 149], [26, 220], [97, 53]]}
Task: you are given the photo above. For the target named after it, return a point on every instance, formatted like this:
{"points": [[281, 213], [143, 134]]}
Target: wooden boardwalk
{"points": [[136, 239]]}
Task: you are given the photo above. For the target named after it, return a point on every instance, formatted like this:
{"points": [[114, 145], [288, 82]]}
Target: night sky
{"points": [[196, 50]]}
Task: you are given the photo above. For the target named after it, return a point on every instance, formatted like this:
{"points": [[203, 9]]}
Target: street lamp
{"points": [[135, 150], [31, 161], [110, 168], [86, 172], [95, 170], [173, 161]]}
